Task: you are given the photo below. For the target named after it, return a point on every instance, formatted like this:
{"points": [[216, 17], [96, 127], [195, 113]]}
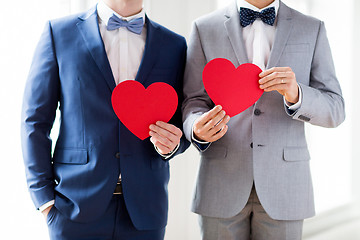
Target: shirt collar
{"points": [[105, 12], [245, 4]]}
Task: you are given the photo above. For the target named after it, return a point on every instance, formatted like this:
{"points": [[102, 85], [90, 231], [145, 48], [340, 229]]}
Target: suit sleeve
{"points": [[322, 101], [40, 102], [177, 120], [196, 100]]}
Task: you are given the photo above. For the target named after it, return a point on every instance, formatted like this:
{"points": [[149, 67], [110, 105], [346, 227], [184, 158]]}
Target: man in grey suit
{"points": [[254, 181]]}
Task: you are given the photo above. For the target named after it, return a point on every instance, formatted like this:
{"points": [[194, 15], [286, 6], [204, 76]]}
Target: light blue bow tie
{"points": [[135, 25]]}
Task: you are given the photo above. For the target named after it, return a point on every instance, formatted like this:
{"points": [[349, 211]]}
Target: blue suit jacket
{"points": [[70, 69]]}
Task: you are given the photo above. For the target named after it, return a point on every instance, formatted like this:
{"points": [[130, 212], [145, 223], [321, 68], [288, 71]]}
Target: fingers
{"points": [[281, 79], [165, 136], [211, 126], [167, 130], [276, 78], [163, 149], [218, 126], [215, 120], [216, 135], [219, 134], [170, 127], [274, 69], [209, 115]]}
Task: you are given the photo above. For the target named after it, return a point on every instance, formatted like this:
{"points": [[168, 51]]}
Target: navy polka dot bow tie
{"points": [[248, 16]]}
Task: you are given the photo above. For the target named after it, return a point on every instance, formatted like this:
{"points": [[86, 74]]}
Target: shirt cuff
{"points": [[46, 205], [169, 155], [297, 105]]}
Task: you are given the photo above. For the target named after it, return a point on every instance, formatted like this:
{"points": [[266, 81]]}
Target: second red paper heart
{"points": [[235, 89], [137, 107]]}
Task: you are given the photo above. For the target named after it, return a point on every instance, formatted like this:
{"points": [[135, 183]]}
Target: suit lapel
{"points": [[233, 29], [153, 44], [283, 29], [89, 29]]}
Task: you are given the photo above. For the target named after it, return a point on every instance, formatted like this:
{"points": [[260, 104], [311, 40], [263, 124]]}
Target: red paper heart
{"points": [[137, 107], [235, 89]]}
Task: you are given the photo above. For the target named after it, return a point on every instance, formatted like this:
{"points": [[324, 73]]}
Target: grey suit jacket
{"points": [[267, 148]]}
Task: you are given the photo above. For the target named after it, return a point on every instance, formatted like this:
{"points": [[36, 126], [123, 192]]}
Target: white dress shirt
{"points": [[124, 49], [259, 38]]}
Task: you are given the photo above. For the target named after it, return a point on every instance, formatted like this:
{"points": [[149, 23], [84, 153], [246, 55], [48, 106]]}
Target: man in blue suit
{"points": [[101, 181]]}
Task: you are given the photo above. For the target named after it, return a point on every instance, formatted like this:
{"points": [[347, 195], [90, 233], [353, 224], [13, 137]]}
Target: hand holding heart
{"points": [[145, 112], [138, 108], [233, 88], [236, 89], [211, 126], [165, 136], [281, 79]]}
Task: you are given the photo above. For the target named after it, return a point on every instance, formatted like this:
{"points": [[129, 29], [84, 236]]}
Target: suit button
{"points": [[117, 155], [257, 112], [251, 145]]}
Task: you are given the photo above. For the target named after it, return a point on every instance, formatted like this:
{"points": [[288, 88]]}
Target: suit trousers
{"points": [[252, 223], [115, 224]]}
